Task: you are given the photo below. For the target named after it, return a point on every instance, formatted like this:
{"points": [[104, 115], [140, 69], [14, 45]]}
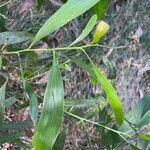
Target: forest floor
{"points": [[129, 27]]}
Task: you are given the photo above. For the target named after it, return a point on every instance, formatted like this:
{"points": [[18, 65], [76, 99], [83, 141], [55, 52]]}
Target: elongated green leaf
{"points": [[90, 25], [136, 113], [14, 37], [133, 147], [145, 120], [59, 144], [3, 81], [84, 66], [64, 1], [3, 11], [49, 124], [110, 92], [111, 68], [68, 12], [100, 8], [33, 101], [111, 95], [145, 137], [39, 3], [1, 61]]}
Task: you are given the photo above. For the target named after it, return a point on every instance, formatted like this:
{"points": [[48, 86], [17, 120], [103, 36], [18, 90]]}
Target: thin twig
{"points": [[62, 48]]}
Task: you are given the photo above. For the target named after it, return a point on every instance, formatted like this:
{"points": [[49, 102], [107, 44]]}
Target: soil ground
{"points": [[130, 27]]}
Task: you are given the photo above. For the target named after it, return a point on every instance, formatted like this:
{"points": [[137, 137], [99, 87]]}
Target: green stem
{"points": [[113, 130], [62, 48]]}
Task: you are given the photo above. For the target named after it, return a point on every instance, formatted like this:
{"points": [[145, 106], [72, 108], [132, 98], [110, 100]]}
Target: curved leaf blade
{"points": [[3, 82], [90, 25], [49, 123], [111, 95], [14, 37], [100, 8], [145, 120], [33, 101], [69, 11], [106, 85]]}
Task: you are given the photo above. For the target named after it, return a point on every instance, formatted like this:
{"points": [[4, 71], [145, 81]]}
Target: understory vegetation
{"points": [[74, 74]]}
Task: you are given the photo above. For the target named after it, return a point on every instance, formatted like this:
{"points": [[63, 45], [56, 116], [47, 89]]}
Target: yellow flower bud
{"points": [[101, 29]]}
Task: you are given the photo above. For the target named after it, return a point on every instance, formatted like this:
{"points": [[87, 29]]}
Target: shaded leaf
{"points": [[69, 11], [33, 101], [136, 113], [84, 66], [111, 95], [14, 37], [111, 68], [3, 11], [90, 25], [133, 147], [3, 82], [48, 126], [64, 1], [145, 120], [39, 3], [1, 61], [100, 8], [106, 85], [59, 144]]}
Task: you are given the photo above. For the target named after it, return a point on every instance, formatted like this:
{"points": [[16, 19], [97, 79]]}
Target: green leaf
{"points": [[108, 88], [100, 8], [39, 3], [1, 62], [68, 12], [136, 113], [145, 137], [3, 11], [14, 37], [90, 25], [3, 82], [133, 147], [33, 101], [84, 66], [111, 95], [111, 68], [64, 1], [145, 120], [59, 144], [10, 101], [49, 123]]}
